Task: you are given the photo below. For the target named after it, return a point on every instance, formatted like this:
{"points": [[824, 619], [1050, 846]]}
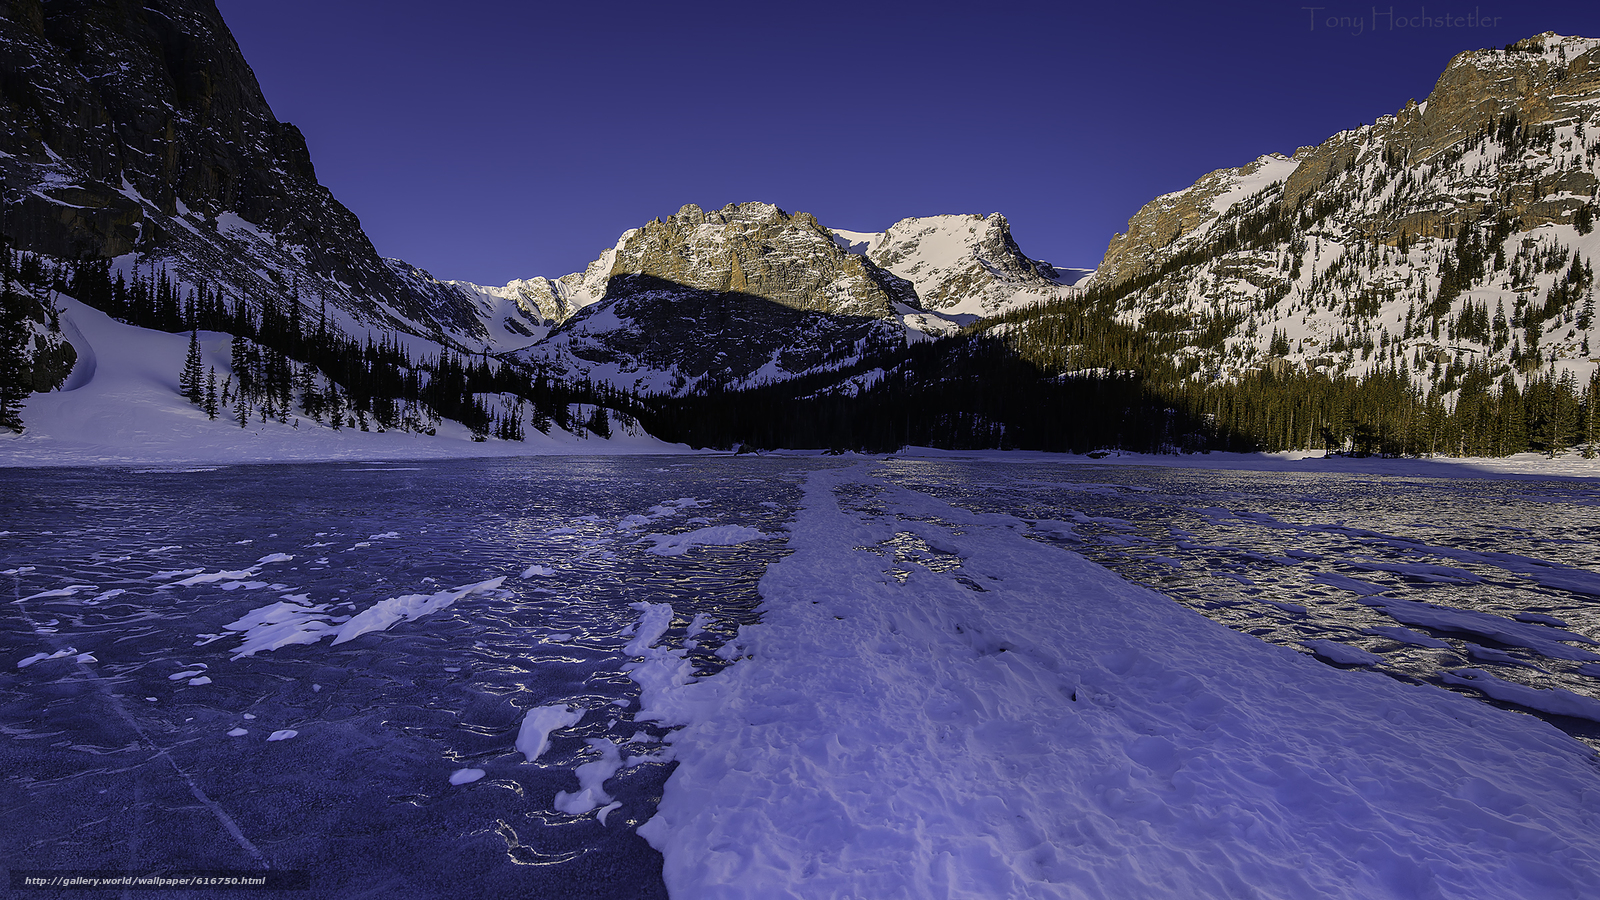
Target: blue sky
{"points": [[486, 140]]}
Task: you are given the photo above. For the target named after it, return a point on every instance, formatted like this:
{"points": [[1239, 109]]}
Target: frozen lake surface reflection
{"points": [[331, 668]]}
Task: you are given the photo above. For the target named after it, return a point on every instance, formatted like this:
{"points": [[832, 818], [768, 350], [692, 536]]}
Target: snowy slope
{"points": [[121, 405], [960, 265], [1015, 721], [1350, 251]]}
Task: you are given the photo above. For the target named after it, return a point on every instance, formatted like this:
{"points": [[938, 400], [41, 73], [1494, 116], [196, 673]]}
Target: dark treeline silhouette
{"points": [[1068, 376], [970, 392]]}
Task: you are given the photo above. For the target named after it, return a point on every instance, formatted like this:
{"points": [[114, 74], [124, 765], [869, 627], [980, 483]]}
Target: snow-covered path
{"points": [[1016, 721]]}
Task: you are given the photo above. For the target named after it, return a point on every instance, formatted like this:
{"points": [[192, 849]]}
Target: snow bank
{"points": [[1040, 728]]}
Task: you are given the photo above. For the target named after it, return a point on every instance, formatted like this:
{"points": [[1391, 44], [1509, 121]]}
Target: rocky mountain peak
{"points": [[959, 264], [759, 250]]}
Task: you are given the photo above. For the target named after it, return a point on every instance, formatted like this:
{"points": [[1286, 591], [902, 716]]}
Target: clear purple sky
{"points": [[488, 140]]}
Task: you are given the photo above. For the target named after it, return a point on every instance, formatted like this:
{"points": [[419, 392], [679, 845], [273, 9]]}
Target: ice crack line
{"points": [[222, 817]]}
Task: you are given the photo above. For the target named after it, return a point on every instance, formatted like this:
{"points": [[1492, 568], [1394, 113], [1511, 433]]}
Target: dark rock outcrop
{"points": [[137, 127]]}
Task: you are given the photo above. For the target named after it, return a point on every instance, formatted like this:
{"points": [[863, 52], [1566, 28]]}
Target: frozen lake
{"points": [[401, 620]]}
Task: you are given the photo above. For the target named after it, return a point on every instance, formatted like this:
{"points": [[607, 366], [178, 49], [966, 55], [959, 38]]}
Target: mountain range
{"points": [[1443, 252]]}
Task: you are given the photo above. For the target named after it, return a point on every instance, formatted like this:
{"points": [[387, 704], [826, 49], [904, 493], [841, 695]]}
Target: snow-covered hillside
{"points": [[121, 405], [1454, 235], [961, 265]]}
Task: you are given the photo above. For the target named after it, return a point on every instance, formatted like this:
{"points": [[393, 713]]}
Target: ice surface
{"points": [[534, 737]]}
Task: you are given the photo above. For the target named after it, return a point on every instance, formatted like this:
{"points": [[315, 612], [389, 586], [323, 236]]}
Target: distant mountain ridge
{"points": [[779, 294]]}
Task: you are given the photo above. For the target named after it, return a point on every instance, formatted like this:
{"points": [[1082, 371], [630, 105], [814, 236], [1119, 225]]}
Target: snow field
{"points": [[1028, 725]]}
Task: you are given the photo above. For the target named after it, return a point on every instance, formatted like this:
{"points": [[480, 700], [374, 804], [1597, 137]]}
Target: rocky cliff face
{"points": [[1456, 233], [758, 250], [137, 131]]}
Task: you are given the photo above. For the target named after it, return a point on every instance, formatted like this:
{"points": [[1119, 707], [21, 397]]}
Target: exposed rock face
{"points": [[1158, 229], [139, 128], [1543, 81], [759, 250], [962, 264], [744, 295]]}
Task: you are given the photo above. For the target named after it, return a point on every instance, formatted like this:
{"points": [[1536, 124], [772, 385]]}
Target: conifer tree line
{"points": [[285, 364], [16, 374]]}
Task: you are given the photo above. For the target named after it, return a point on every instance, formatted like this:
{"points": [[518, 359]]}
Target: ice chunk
{"points": [[386, 613], [716, 535], [465, 776], [239, 732], [537, 571], [174, 573], [1346, 583], [698, 624], [282, 624], [1558, 701], [1343, 654], [274, 558], [211, 577], [591, 780], [282, 734], [654, 620], [1407, 636], [67, 591], [41, 657], [534, 737], [1541, 639]]}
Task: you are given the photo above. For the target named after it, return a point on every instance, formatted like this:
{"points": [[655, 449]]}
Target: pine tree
{"points": [[191, 383], [16, 381], [211, 393]]}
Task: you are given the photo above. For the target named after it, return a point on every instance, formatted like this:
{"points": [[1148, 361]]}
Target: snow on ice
{"points": [[1064, 733], [716, 535], [533, 739]]}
